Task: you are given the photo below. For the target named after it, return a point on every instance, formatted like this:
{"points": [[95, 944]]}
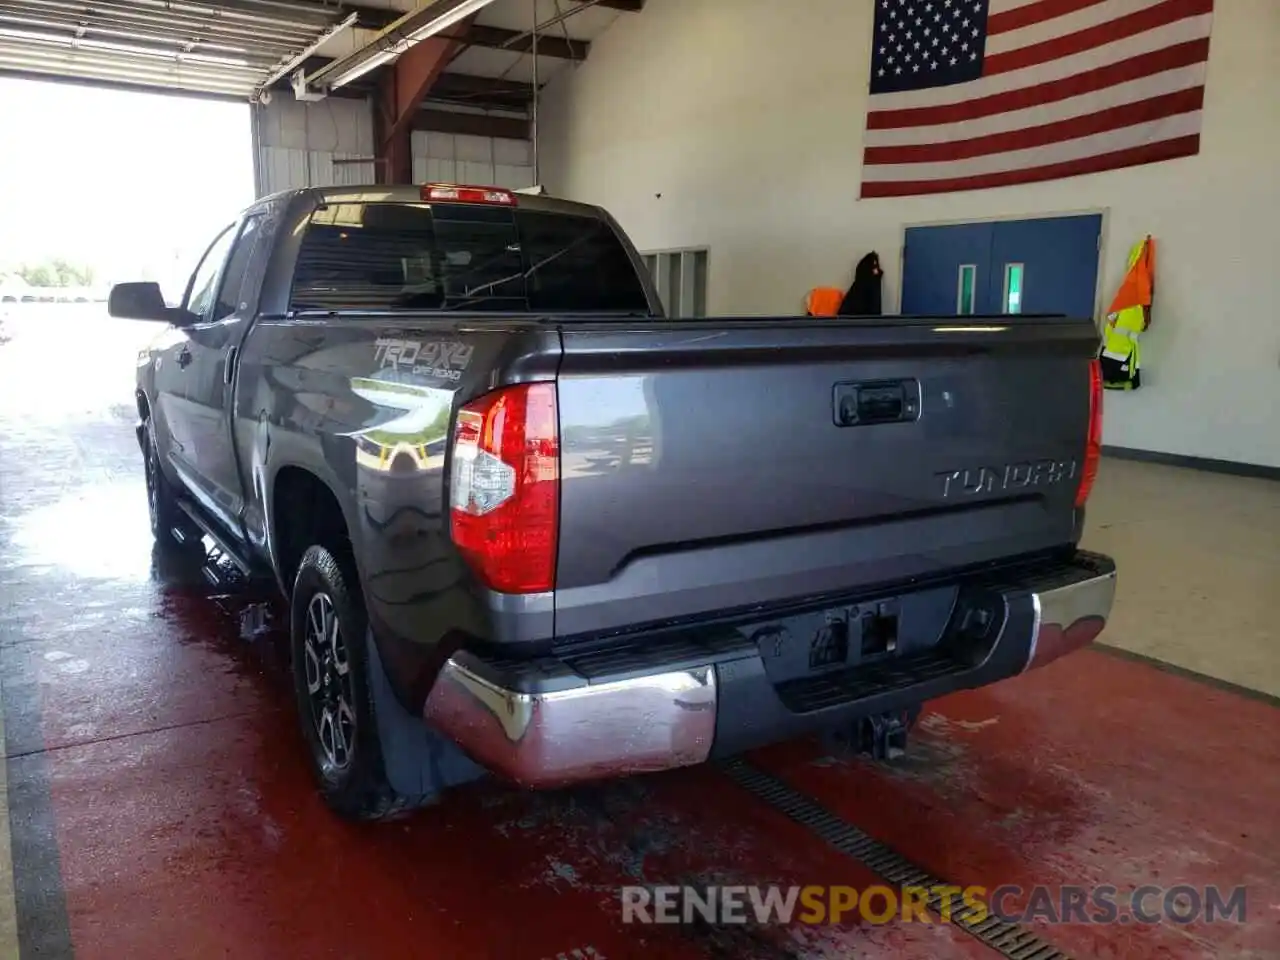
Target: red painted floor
{"points": [[1094, 770], [160, 807]]}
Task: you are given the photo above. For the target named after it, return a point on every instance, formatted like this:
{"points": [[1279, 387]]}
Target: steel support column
{"points": [[400, 91]]}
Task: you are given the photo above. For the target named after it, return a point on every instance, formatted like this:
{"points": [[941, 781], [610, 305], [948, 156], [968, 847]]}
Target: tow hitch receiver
{"points": [[884, 736], [881, 736]]}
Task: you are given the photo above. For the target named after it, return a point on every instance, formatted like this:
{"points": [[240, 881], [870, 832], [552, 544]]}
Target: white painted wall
{"points": [[485, 161], [737, 125], [299, 142]]}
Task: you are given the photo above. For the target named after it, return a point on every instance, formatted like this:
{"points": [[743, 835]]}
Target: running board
{"points": [[222, 548]]}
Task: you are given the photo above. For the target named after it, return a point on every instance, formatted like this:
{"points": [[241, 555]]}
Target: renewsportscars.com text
{"points": [[1103, 904]]}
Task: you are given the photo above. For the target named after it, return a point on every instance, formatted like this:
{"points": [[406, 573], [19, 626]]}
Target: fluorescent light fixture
{"points": [[447, 19], [360, 69], [294, 62], [412, 28]]}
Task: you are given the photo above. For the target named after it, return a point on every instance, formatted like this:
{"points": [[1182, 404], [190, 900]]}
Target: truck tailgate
{"points": [[718, 466]]}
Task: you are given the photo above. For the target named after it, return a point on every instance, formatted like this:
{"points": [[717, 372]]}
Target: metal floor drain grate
{"points": [[1011, 940]]}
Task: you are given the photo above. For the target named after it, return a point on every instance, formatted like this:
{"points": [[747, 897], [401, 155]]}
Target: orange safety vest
{"points": [[1139, 283]]}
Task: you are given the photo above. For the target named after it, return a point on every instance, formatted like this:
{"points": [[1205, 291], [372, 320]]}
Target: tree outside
{"points": [[56, 273]]}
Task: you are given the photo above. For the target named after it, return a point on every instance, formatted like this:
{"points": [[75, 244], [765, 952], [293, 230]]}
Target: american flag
{"points": [[967, 94]]}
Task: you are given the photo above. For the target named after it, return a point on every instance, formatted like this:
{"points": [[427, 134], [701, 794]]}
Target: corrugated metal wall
{"points": [[298, 143], [457, 158]]}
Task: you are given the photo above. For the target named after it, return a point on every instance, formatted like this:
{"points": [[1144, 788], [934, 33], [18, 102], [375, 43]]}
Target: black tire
{"points": [[913, 716], [336, 708], [162, 501]]}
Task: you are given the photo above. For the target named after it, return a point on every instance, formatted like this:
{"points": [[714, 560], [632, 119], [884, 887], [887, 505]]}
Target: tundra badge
{"points": [[1010, 476]]}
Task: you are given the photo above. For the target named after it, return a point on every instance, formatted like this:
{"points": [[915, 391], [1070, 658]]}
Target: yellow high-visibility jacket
{"points": [[1128, 317]]}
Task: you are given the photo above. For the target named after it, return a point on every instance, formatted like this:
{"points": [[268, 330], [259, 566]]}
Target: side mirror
{"points": [[140, 301]]}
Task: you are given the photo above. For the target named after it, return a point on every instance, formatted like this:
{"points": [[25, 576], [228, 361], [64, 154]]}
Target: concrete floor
{"points": [[159, 806], [1199, 559]]}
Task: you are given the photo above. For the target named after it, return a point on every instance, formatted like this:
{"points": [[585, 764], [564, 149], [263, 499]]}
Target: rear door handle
{"points": [[184, 357], [229, 365]]}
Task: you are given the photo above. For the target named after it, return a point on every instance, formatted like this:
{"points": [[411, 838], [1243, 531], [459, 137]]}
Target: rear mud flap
{"points": [[420, 763]]}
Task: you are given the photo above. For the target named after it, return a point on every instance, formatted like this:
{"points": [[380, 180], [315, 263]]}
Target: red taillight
{"points": [[452, 193], [1093, 446], [504, 493]]}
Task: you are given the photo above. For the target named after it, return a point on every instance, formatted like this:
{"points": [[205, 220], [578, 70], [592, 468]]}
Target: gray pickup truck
{"points": [[527, 525]]}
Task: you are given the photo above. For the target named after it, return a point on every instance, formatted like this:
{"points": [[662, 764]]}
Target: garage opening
{"points": [[102, 185], [99, 186]]}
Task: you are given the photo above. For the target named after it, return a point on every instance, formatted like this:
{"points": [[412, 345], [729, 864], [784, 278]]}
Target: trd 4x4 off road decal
{"points": [[443, 359]]}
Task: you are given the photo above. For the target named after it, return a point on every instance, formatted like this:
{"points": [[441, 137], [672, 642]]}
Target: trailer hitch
{"points": [[880, 736], [883, 736]]}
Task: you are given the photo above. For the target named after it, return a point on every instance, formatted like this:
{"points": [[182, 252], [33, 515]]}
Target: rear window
{"points": [[404, 256]]}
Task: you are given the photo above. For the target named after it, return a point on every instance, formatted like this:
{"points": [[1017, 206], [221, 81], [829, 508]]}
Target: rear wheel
{"points": [[328, 631]]}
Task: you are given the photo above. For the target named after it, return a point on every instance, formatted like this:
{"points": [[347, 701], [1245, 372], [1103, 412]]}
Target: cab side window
{"points": [[230, 293], [205, 280]]}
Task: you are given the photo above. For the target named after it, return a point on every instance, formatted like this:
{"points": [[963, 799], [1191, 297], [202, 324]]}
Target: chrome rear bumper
{"points": [[668, 718], [1069, 617], [591, 732]]}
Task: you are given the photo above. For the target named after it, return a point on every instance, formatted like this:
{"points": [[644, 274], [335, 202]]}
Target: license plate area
{"points": [[853, 635]]}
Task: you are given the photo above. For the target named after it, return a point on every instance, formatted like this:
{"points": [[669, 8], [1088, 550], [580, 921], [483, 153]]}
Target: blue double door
{"points": [[1044, 265]]}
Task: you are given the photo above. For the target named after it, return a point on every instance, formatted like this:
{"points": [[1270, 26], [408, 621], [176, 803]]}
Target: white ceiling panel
{"points": [[486, 62], [587, 24]]}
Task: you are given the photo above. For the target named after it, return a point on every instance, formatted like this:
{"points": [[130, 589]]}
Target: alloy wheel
{"points": [[150, 469], [328, 675]]}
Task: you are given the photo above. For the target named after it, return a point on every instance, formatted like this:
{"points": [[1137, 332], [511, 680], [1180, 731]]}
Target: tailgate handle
{"points": [[884, 401]]}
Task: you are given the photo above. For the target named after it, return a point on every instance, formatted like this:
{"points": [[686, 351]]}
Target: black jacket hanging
{"points": [[863, 298]]}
